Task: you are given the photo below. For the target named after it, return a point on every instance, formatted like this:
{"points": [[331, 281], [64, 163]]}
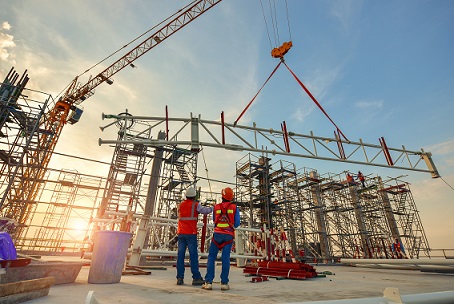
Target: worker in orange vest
{"points": [[226, 218], [350, 180], [188, 212], [361, 178]]}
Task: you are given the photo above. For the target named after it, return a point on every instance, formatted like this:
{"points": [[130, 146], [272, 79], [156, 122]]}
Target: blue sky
{"points": [[379, 68]]}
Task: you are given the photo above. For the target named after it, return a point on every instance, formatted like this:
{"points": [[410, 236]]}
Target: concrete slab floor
{"points": [[160, 287]]}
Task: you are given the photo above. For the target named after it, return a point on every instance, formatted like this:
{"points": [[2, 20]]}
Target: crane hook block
{"points": [[279, 52]]}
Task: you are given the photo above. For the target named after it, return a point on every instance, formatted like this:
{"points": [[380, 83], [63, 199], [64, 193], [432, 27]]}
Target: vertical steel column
{"points": [[364, 235], [149, 206], [320, 219], [394, 230]]}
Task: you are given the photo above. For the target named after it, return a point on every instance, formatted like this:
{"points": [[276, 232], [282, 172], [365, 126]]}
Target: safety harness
{"points": [[223, 222]]}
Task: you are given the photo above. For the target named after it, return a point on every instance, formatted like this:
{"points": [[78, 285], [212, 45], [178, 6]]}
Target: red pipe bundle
{"points": [[298, 271]]}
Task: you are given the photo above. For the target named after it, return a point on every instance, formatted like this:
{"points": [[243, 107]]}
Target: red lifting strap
{"points": [[250, 102], [316, 102], [204, 233], [340, 146], [285, 135]]}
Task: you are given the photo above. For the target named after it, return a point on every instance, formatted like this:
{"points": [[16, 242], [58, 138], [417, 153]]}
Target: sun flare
{"points": [[79, 225]]}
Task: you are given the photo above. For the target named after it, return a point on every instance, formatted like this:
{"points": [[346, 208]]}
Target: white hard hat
{"points": [[190, 192]]}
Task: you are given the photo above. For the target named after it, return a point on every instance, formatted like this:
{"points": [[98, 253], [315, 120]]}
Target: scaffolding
{"points": [[405, 222], [179, 171], [62, 220], [22, 154], [253, 190], [325, 217], [121, 197]]}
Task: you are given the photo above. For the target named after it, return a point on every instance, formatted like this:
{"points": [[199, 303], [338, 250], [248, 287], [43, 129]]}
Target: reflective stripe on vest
{"points": [[224, 225], [192, 217]]}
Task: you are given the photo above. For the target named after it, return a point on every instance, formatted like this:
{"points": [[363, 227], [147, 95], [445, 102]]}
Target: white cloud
{"points": [[344, 11], [301, 113], [446, 152], [375, 105], [321, 80], [369, 109], [6, 44], [6, 26], [446, 147]]}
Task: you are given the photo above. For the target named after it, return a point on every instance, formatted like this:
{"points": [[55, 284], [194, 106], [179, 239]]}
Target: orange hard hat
{"points": [[227, 194]]}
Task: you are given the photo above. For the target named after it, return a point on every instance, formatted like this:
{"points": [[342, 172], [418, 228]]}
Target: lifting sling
{"points": [[304, 88]]}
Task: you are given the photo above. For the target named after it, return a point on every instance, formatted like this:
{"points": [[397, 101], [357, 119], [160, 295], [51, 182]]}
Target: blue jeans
{"points": [[225, 258], [188, 241]]}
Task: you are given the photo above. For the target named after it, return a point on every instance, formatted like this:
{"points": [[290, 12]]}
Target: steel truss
{"points": [[196, 133]]}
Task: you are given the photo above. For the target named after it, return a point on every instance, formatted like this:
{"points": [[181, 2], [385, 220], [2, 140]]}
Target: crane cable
{"points": [[288, 20], [446, 183], [206, 172], [274, 22], [266, 25]]}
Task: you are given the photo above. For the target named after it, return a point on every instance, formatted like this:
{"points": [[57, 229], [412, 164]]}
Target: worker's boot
{"points": [[207, 286], [180, 281], [198, 282], [225, 286]]}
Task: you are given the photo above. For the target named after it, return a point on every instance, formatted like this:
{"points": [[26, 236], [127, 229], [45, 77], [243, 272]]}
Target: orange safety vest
{"points": [[187, 217], [224, 217]]}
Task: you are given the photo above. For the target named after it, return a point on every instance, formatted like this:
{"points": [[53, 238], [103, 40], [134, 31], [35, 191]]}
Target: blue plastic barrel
{"points": [[7, 249], [109, 255]]}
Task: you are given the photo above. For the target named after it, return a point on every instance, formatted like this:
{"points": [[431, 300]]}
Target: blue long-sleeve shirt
{"points": [[204, 210]]}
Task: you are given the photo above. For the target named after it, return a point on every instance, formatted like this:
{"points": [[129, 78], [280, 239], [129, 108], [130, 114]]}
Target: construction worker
{"points": [[398, 249], [226, 217], [361, 178], [188, 212], [350, 180]]}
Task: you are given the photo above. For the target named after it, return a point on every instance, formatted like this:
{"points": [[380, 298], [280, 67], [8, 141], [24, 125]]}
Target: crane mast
{"points": [[55, 119]]}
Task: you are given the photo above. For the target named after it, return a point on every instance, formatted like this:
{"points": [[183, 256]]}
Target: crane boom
{"points": [[76, 94], [53, 121]]}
